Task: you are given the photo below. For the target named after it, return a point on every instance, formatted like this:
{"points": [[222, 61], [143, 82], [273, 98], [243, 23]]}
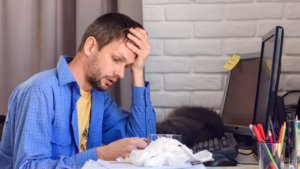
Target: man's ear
{"points": [[90, 45]]}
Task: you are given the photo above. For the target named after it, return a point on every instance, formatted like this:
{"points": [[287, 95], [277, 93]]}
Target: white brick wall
{"points": [[193, 47], [192, 39], [230, 29], [190, 12], [253, 11]]}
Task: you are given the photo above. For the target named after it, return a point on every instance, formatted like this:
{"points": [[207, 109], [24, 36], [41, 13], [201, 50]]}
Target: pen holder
{"points": [[294, 145], [271, 155]]}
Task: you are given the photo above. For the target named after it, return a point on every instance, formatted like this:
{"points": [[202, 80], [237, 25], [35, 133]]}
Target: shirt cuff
{"points": [[85, 156], [140, 95]]}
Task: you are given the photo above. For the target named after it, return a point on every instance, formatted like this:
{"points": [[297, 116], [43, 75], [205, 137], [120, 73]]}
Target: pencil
{"points": [[282, 138]]}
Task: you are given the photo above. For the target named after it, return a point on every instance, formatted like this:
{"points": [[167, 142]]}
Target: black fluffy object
{"points": [[194, 124]]}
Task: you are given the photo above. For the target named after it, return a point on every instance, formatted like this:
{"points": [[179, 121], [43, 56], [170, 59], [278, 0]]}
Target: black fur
{"points": [[194, 124]]}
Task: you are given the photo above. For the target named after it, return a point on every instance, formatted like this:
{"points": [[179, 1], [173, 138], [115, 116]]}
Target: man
{"points": [[59, 118]]}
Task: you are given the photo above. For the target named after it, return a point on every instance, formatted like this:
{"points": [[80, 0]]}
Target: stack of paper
{"points": [[100, 164]]}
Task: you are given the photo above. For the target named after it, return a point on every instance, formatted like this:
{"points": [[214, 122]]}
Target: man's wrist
{"points": [[99, 151], [137, 78]]}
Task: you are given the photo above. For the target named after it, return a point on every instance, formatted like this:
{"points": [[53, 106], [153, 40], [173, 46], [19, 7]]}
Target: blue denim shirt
{"points": [[41, 129]]}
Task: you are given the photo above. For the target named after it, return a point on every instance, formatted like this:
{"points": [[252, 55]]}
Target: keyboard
{"points": [[228, 147]]}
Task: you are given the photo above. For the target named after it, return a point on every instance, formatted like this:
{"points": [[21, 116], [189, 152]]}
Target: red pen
{"points": [[272, 166], [261, 131], [257, 134], [259, 137]]}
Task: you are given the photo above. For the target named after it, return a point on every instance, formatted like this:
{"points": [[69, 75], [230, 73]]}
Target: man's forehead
{"points": [[123, 51], [125, 59]]}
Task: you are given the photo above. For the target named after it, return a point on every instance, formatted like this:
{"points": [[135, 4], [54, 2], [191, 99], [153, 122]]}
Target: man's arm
{"points": [[142, 50], [29, 135], [118, 123]]}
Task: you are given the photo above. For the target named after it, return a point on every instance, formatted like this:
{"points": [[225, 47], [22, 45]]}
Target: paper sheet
{"points": [[165, 152], [100, 164]]}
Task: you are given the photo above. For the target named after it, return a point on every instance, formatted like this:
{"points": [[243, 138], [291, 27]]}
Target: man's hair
{"points": [[109, 27]]}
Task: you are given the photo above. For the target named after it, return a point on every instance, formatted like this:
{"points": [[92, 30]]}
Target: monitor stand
{"points": [[245, 142]]}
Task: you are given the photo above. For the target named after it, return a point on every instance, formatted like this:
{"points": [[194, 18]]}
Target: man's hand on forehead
{"points": [[139, 44], [131, 42]]}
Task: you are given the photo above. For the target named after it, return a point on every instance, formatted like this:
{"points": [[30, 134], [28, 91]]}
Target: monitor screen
{"points": [[264, 81], [240, 96]]}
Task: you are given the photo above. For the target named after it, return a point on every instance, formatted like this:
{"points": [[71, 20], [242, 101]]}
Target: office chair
{"points": [[2, 120]]}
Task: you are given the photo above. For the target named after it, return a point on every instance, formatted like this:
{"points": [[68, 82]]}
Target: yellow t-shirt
{"points": [[83, 114]]}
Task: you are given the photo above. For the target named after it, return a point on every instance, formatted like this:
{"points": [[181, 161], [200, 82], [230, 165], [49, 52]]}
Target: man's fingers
{"points": [[132, 47], [139, 33], [140, 143], [136, 41]]}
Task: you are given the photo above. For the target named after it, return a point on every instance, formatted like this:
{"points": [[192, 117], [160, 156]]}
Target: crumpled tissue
{"points": [[165, 151]]}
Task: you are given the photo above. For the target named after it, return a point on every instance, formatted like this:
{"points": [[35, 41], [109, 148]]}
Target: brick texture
{"points": [[202, 65], [255, 11], [230, 29], [165, 1], [168, 30], [292, 47], [215, 1], [193, 47], [156, 81], [156, 47], [292, 82], [243, 46], [207, 99], [153, 13], [161, 65], [194, 12], [169, 99], [290, 64], [293, 11], [191, 40], [193, 82]]}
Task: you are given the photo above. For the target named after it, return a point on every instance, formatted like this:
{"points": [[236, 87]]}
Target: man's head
{"points": [[109, 27], [104, 44]]}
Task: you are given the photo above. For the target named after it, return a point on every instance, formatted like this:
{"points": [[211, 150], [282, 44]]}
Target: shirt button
{"points": [[77, 87], [147, 95], [148, 121], [140, 96], [72, 107]]}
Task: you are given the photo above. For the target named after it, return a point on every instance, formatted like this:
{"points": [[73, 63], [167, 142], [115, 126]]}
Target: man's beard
{"points": [[94, 76]]}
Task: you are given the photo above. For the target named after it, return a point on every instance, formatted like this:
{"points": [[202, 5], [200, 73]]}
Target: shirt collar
{"points": [[64, 73]]}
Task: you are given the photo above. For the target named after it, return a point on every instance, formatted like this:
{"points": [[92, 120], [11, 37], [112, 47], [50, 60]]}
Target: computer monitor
{"points": [[269, 74], [239, 98], [252, 85]]}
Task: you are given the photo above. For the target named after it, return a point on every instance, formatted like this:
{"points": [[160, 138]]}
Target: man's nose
{"points": [[120, 73]]}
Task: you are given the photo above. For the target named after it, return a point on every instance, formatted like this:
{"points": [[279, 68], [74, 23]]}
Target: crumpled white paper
{"points": [[165, 151]]}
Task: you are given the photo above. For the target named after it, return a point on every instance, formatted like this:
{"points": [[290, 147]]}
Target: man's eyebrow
{"points": [[121, 56]]}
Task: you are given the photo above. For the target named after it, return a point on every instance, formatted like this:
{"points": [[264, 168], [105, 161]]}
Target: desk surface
{"points": [[244, 159]]}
